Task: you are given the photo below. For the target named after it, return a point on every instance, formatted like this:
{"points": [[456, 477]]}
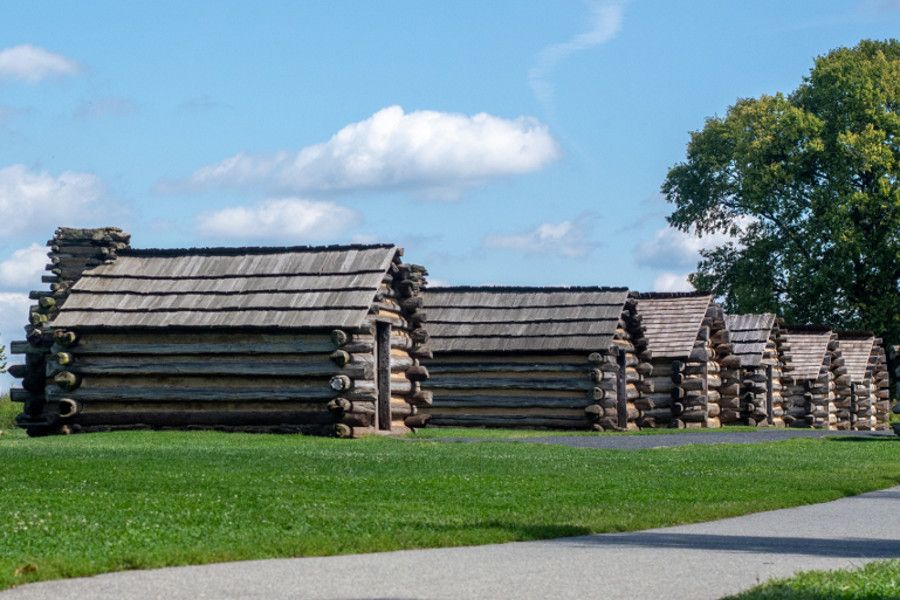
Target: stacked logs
{"points": [[761, 384], [880, 386], [730, 376], [397, 304], [618, 376], [72, 251], [808, 392], [699, 382]]}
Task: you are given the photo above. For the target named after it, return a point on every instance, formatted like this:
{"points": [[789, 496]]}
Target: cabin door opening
{"points": [[383, 375]]}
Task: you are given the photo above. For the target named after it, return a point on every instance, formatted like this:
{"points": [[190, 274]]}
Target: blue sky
{"points": [[498, 142]]}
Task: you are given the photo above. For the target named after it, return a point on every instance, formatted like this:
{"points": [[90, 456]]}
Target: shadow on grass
{"points": [[851, 547], [519, 531], [864, 438]]}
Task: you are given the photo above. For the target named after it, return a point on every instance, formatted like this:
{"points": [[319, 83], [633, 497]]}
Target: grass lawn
{"points": [[430, 433], [86, 504], [8, 412], [876, 581]]}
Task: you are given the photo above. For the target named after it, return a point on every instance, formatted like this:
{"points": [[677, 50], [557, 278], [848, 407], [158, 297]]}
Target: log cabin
{"points": [[808, 381], [687, 344], [535, 357], [294, 339], [756, 342], [862, 396]]}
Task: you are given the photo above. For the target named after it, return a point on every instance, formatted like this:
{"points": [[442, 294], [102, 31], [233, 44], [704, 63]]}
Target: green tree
{"points": [[807, 185]]}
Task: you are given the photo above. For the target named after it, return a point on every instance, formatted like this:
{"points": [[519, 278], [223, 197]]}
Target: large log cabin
{"points": [[687, 345], [862, 396], [809, 387], [306, 339], [537, 357], [756, 341]]}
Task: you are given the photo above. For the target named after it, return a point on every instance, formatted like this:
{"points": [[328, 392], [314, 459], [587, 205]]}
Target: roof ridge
{"points": [[855, 334], [664, 295], [808, 329], [511, 288], [243, 250]]}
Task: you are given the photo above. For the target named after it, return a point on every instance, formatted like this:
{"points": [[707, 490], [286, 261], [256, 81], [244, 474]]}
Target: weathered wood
{"points": [[212, 367], [383, 375], [188, 394]]}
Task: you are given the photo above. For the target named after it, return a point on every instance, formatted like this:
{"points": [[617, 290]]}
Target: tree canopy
{"points": [[807, 186]]}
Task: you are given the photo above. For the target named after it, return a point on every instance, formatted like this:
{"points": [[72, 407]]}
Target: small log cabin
{"points": [[686, 342], [808, 382], [757, 344], [542, 357], [296, 339], [862, 387]]}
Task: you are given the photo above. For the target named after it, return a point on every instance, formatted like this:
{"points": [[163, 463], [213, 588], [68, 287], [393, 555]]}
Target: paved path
{"points": [[706, 560]]}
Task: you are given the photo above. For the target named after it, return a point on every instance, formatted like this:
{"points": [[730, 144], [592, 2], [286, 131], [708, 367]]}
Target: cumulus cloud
{"points": [[568, 239], [437, 152], [676, 250], [293, 219], [605, 23], [28, 198], [672, 282], [24, 268], [32, 64]]}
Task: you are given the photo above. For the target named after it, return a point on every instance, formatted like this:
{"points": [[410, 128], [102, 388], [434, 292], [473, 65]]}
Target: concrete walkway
{"points": [[706, 560]]}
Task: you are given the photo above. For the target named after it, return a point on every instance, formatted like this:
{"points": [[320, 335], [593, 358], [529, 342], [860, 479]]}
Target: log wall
{"points": [[556, 390], [312, 380], [810, 402], [687, 392]]}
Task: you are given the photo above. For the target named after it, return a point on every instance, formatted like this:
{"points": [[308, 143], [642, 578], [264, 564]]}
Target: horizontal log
{"points": [[323, 346], [536, 384], [203, 417], [510, 421], [417, 421], [18, 347], [525, 401], [192, 394], [211, 367]]}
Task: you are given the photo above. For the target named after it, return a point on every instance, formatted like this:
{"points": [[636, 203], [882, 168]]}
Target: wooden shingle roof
{"points": [[856, 348], [498, 319], [808, 346], [748, 335], [672, 321], [289, 287]]}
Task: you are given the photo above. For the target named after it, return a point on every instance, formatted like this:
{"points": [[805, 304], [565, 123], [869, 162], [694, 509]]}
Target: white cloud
{"points": [[438, 152], [673, 249], [672, 282], [24, 268], [605, 23], [293, 219], [29, 198], [32, 64], [568, 239]]}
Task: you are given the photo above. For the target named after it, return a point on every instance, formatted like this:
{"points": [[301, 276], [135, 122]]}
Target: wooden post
{"points": [[621, 394], [770, 409], [854, 408], [383, 374]]}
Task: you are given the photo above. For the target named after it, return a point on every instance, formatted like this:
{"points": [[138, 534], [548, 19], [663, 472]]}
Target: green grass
{"points": [[8, 412], [86, 504], [503, 434], [876, 581]]}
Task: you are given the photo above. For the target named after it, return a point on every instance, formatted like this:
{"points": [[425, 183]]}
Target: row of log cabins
{"points": [[347, 340]]}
